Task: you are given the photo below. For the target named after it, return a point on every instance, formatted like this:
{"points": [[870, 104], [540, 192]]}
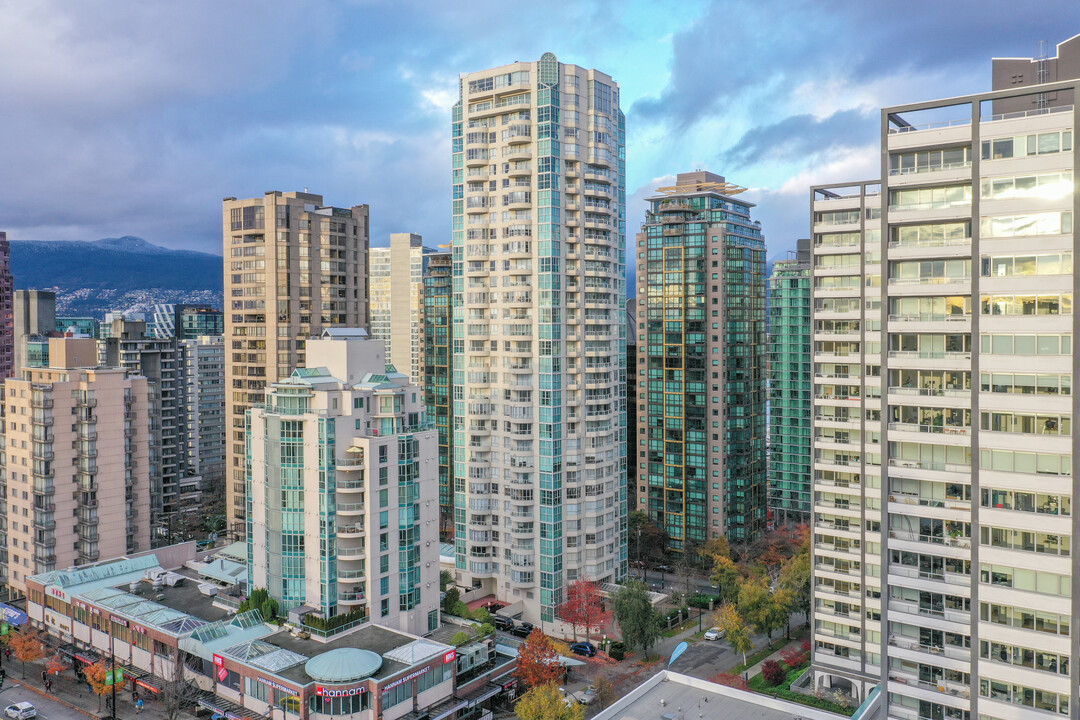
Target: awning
{"points": [[132, 672], [226, 708], [149, 683], [439, 711], [480, 694]]}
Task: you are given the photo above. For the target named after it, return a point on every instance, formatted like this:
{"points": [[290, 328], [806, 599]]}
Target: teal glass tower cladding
{"points": [[700, 385], [790, 390], [538, 383], [438, 336]]}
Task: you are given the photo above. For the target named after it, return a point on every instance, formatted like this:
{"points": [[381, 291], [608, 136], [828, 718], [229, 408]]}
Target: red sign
{"points": [[222, 673], [219, 661], [449, 657]]}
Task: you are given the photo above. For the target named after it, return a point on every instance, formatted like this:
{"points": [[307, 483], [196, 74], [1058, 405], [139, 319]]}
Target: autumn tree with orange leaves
{"points": [[538, 663], [27, 647], [97, 676], [584, 607]]}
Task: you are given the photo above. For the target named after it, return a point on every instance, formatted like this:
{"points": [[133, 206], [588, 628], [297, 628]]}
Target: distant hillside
{"points": [[115, 273]]}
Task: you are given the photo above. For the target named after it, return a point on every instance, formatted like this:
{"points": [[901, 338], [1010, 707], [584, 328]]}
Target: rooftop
{"points": [[395, 648], [671, 696]]}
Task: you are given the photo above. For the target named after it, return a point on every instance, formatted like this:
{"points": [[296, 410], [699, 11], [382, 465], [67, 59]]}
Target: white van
{"points": [[21, 711]]}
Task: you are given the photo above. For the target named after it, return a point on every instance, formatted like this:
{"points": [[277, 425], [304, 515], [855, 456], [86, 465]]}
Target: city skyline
{"points": [[781, 117]]}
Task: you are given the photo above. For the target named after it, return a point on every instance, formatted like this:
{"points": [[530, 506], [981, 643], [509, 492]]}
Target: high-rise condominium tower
{"points": [[344, 514], [76, 465], [438, 351], [701, 363], [204, 398], [7, 316], [396, 275], [292, 267], [790, 389], [944, 464], [174, 487], [539, 273]]}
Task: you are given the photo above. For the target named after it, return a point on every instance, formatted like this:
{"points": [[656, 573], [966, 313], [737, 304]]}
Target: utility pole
{"points": [[112, 653]]}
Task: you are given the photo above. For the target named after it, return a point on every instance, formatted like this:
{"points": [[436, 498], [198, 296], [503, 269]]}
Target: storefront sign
{"points": [[56, 592], [15, 616], [407, 678], [277, 686], [347, 692], [219, 661], [449, 657], [119, 620]]}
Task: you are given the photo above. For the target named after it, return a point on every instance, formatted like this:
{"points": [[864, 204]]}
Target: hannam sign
{"points": [[347, 692]]}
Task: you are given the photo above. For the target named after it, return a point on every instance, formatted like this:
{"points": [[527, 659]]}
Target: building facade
{"points": [[539, 416], [293, 267], [701, 362], [632, 488], [76, 463], [944, 468], [438, 371], [150, 613], [184, 321], [175, 487], [396, 276], [204, 414], [35, 321], [7, 310], [790, 388], [88, 326], [343, 459]]}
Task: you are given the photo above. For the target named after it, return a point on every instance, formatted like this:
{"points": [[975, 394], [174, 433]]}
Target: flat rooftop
{"points": [[379, 640], [183, 597], [681, 697]]}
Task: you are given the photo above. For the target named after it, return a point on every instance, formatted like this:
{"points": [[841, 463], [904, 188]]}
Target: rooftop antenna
{"points": [[1042, 75]]}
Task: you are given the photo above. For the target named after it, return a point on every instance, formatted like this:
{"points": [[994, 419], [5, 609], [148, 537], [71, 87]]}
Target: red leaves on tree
{"points": [[538, 663], [584, 607]]}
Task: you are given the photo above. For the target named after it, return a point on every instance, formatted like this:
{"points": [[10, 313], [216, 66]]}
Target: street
{"points": [[674, 581], [48, 708]]}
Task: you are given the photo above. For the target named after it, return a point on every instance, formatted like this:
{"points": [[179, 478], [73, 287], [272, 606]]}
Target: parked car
{"points": [[714, 633], [583, 648], [523, 630], [504, 623], [662, 568], [21, 711], [587, 696]]}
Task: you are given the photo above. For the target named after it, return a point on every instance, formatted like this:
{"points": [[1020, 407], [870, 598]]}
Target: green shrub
{"points": [[460, 609], [461, 638], [699, 601], [269, 608], [487, 629], [617, 651], [481, 615], [453, 595]]}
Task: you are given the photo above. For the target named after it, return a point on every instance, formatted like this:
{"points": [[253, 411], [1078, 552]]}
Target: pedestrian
{"points": [[138, 706], [44, 676]]}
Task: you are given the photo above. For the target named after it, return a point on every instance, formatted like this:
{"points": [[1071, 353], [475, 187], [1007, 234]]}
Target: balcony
{"points": [[350, 531], [352, 553]]}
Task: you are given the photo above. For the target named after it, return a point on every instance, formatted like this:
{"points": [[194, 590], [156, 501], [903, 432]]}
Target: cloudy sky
{"points": [[131, 117]]}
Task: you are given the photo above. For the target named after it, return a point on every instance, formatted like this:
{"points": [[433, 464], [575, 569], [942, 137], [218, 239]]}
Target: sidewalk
{"points": [[755, 669], [76, 695]]}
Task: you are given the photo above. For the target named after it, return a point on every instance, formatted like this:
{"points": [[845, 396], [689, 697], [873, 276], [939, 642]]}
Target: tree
{"points": [[648, 546], [795, 578], [735, 630], [178, 693], [446, 579], [545, 702], [638, 620], [97, 677], [725, 574], [55, 666], [688, 563], [584, 607], [255, 601], [27, 647], [450, 599], [605, 691], [538, 663], [763, 610]]}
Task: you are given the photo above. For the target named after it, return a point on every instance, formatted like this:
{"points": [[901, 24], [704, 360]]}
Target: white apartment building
{"points": [[204, 397], [539, 262], [396, 279], [343, 497], [944, 470]]}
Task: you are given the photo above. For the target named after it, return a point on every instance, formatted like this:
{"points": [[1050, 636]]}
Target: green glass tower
{"points": [[789, 389], [701, 363], [437, 342]]}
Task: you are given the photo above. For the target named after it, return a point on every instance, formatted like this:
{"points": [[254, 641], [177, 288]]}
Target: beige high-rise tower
{"points": [[77, 463], [293, 267], [396, 274]]}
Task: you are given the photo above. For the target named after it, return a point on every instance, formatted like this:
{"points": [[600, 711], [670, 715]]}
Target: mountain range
{"points": [[125, 273]]}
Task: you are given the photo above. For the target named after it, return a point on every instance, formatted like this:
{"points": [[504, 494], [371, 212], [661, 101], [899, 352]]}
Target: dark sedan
{"points": [[523, 630]]}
